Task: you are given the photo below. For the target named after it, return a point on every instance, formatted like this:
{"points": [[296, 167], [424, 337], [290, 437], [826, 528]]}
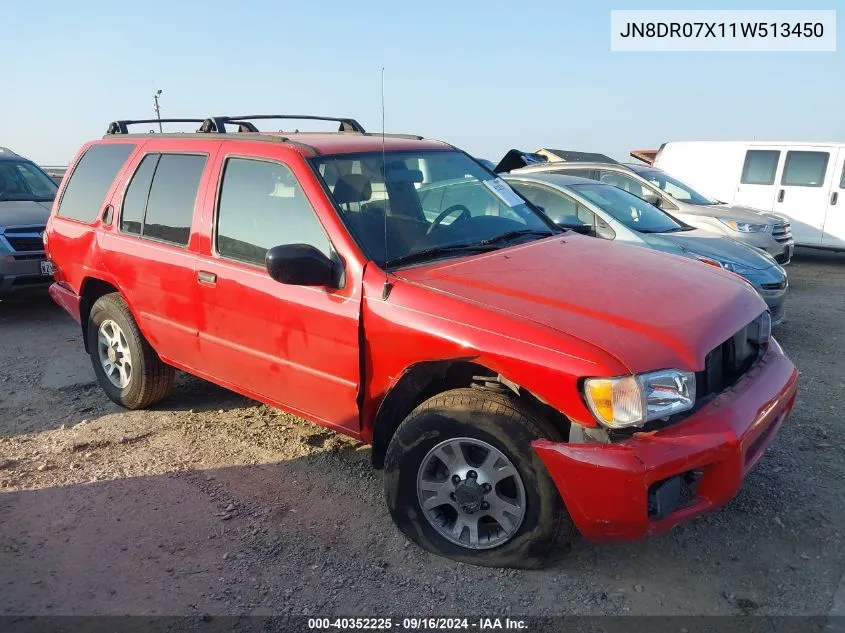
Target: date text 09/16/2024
{"points": [[417, 624]]}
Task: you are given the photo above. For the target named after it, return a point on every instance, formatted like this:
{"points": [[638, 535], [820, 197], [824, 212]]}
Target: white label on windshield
{"points": [[504, 192]]}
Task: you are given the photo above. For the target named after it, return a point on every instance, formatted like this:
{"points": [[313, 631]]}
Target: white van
{"points": [[802, 181]]}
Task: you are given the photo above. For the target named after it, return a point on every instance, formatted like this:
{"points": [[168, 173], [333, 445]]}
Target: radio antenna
{"points": [[385, 292]]}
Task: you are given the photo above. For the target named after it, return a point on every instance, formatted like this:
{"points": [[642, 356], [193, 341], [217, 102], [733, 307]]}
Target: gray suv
{"points": [[26, 195], [765, 231]]}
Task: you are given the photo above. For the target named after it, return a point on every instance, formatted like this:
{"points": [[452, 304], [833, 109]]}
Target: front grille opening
{"points": [[783, 258], [777, 286], [20, 243], [725, 365]]}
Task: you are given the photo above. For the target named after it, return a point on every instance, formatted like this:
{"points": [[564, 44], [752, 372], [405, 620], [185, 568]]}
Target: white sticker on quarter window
{"points": [[504, 192]]}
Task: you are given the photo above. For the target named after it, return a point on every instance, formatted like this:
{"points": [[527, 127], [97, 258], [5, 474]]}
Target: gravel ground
{"points": [[214, 504]]}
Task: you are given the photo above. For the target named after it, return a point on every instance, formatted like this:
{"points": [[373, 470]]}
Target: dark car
{"points": [[26, 196]]}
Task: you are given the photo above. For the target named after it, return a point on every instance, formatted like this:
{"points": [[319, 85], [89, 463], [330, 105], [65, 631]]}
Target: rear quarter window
{"points": [[90, 181]]}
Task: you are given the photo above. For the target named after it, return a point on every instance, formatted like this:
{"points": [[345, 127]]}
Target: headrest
{"points": [[352, 188]]}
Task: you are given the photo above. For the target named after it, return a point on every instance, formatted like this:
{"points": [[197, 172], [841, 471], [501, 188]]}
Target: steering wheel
{"points": [[445, 213]]}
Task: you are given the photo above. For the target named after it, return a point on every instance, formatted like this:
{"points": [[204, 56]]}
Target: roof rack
{"points": [[122, 127], [218, 123]]}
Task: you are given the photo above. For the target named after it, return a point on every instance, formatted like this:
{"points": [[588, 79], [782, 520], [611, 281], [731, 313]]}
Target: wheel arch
{"points": [[426, 379], [91, 289]]}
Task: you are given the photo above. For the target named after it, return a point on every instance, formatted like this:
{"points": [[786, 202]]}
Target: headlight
{"points": [[743, 227], [760, 329], [635, 400], [722, 263]]}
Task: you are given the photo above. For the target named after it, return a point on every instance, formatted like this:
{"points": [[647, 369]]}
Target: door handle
{"points": [[780, 195], [206, 277], [834, 198]]}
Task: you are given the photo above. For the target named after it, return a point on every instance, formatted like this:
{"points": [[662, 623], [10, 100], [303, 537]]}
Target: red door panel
{"points": [[295, 347]]}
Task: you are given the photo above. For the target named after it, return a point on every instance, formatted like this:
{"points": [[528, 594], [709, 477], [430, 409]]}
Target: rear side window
{"points": [[160, 200], [173, 194], [842, 179], [805, 169], [91, 179], [135, 200], [262, 206], [760, 167]]}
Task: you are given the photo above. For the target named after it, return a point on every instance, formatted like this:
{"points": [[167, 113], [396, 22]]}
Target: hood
{"points": [[747, 214], [22, 212], [710, 245], [741, 214], [644, 307]]}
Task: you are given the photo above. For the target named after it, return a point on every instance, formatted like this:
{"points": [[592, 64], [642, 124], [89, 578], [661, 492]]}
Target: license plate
{"points": [[46, 267]]}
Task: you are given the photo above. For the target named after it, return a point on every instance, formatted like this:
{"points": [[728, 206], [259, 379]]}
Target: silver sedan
{"points": [[605, 211]]}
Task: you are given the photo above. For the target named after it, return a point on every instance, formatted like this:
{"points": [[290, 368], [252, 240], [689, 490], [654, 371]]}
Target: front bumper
{"points": [[20, 272], [781, 251], [772, 285], [606, 487]]}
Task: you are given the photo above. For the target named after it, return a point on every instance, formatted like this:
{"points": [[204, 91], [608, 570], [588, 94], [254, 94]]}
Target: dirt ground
{"points": [[214, 504]]}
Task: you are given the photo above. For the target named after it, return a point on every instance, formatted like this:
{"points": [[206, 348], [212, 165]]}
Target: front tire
{"points": [[127, 367], [462, 481]]}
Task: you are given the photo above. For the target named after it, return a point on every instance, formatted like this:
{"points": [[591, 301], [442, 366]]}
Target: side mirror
{"points": [[300, 265], [654, 199]]}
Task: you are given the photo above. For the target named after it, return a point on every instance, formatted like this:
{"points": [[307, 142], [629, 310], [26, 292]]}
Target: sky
{"points": [[484, 76]]}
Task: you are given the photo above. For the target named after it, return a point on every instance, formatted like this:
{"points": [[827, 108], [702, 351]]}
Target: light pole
{"points": [[158, 112]]}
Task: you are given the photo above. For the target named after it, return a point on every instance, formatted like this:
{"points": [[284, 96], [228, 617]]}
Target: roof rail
{"points": [[217, 123], [122, 127]]}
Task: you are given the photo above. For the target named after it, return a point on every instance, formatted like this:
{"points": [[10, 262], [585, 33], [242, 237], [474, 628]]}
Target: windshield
{"points": [[633, 212], [431, 205], [675, 188], [21, 180]]}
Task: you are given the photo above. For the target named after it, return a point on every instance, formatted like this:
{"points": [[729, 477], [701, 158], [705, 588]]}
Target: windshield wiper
{"points": [[509, 235], [436, 251]]}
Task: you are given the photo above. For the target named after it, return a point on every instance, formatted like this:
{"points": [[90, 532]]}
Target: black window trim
{"points": [[224, 159], [128, 181], [805, 151], [744, 172], [842, 177], [60, 194]]}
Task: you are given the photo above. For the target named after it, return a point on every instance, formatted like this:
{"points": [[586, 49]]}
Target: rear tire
{"points": [[493, 432], [127, 367]]}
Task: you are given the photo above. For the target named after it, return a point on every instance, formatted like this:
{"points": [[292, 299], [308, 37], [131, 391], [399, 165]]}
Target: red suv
{"points": [[516, 381]]}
